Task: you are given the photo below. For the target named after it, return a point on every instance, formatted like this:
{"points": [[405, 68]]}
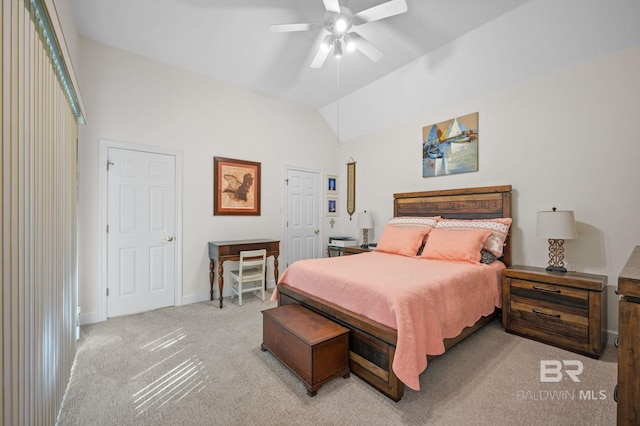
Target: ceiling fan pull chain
{"points": [[338, 101]]}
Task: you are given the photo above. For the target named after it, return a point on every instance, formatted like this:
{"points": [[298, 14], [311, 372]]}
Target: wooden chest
{"points": [[313, 347]]}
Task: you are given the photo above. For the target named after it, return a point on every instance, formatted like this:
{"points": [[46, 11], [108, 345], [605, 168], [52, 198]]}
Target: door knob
{"points": [[170, 238], [317, 231]]}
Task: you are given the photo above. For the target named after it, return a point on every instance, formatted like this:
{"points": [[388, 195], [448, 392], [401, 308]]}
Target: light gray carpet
{"points": [[200, 365]]}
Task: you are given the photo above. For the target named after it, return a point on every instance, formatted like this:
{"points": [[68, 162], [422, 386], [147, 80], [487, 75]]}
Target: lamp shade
{"points": [[365, 220], [556, 224]]}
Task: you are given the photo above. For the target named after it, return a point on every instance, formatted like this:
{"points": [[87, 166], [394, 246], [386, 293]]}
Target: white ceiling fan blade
{"points": [[332, 6], [286, 28], [319, 59], [366, 47], [384, 10], [323, 44]]}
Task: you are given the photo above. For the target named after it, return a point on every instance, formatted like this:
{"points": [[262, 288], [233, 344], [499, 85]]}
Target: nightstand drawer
{"points": [[570, 300], [549, 320]]}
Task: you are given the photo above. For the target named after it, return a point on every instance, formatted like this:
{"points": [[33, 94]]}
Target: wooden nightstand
{"points": [[561, 309], [355, 250]]}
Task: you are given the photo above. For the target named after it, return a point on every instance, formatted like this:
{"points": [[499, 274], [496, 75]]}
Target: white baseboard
{"points": [[195, 298], [89, 318], [94, 317]]}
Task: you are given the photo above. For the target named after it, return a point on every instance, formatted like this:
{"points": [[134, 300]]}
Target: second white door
{"points": [[302, 227], [141, 231]]}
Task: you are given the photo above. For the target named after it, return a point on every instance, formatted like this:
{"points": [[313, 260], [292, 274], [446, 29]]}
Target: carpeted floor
{"points": [[200, 365]]}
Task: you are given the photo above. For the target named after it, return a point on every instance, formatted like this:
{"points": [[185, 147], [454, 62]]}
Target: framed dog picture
{"points": [[236, 187]]}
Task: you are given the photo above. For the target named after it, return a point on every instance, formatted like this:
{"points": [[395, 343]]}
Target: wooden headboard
{"points": [[487, 202]]}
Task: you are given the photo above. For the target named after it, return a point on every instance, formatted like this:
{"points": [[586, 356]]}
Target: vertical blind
{"points": [[38, 221]]}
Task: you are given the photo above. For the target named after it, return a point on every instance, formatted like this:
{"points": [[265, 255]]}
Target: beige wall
{"points": [[559, 127], [133, 99], [567, 139]]}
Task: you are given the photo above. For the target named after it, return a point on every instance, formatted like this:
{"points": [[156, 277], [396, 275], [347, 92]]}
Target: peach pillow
{"points": [[499, 228], [460, 245], [401, 240]]}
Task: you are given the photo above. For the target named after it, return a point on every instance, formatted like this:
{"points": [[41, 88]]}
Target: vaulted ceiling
{"points": [[231, 40]]}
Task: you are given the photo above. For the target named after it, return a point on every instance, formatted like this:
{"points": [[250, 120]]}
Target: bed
{"points": [[374, 341]]}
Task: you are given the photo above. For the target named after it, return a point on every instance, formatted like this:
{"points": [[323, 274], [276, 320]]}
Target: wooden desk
{"points": [[219, 251]]}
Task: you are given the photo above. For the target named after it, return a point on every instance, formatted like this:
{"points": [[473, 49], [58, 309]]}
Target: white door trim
{"points": [[285, 212], [103, 149]]}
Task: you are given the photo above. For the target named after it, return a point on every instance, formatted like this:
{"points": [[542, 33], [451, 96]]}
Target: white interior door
{"points": [[141, 221], [303, 208]]}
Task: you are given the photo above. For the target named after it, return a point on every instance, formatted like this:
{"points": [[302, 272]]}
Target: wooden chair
{"points": [[250, 270]]}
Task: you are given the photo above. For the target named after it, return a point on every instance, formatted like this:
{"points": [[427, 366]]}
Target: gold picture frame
{"points": [[236, 187]]}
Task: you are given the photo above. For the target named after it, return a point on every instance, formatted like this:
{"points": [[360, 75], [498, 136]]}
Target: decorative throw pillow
{"points": [[414, 221], [487, 257], [401, 240], [499, 230], [459, 245]]}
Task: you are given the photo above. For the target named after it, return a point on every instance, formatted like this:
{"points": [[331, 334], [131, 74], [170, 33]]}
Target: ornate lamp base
{"points": [[556, 256], [365, 238]]}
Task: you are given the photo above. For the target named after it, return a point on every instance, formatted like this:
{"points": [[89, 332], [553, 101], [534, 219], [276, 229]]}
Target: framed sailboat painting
{"points": [[450, 147]]}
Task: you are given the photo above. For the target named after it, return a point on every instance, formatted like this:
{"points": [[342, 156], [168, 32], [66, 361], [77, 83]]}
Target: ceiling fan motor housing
{"points": [[331, 21]]}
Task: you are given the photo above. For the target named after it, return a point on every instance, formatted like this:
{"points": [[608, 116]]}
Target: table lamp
{"points": [[365, 222], [557, 226]]}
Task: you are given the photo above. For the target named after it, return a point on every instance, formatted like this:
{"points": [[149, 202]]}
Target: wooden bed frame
{"points": [[371, 344]]}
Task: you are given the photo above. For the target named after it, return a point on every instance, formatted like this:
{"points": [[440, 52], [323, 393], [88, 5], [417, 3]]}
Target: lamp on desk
{"points": [[557, 226], [365, 222]]}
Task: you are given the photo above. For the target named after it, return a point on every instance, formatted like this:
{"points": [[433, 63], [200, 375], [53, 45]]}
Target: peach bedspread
{"points": [[425, 300]]}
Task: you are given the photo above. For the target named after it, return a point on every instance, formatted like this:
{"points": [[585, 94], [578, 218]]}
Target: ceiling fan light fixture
{"points": [[337, 26], [349, 43], [341, 25]]}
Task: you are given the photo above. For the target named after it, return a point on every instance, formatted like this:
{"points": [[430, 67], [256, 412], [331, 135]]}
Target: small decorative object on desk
{"points": [[338, 244], [342, 241]]}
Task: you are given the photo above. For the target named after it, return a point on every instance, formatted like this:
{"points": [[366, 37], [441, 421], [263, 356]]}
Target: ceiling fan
{"points": [[337, 29]]}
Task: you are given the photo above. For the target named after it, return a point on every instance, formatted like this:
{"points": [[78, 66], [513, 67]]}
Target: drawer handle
{"points": [[549, 290], [537, 311], [615, 342]]}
